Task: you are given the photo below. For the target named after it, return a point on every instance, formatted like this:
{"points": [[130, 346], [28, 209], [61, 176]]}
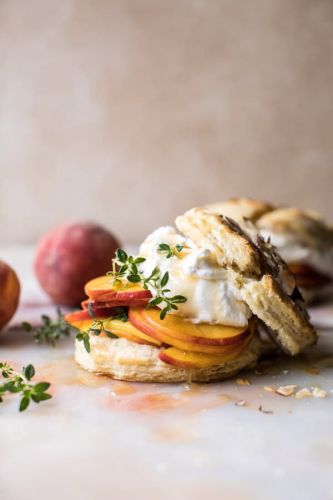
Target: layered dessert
{"points": [[188, 306]]}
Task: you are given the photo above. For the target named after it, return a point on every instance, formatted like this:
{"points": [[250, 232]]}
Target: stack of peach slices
{"points": [[188, 304], [118, 309]]}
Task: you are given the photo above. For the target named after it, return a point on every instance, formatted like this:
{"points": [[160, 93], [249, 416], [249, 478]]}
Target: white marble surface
{"points": [[97, 438]]}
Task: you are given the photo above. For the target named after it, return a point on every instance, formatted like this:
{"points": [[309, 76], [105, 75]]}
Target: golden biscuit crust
{"points": [[308, 227], [125, 360], [285, 318], [242, 208], [231, 246], [264, 281]]}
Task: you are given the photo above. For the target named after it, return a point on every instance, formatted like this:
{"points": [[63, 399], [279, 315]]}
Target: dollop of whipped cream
{"points": [[194, 273], [292, 251]]}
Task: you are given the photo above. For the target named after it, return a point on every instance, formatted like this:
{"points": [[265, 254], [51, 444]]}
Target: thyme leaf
{"points": [[51, 330], [170, 251], [125, 267], [20, 383], [98, 326]]}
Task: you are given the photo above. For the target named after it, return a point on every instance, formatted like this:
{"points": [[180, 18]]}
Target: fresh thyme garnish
{"points": [[121, 314], [125, 267], [51, 330], [98, 326], [158, 283], [170, 251], [20, 383], [128, 269]]}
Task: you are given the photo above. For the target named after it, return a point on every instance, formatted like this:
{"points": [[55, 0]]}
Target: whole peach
{"points": [[9, 293], [70, 255]]}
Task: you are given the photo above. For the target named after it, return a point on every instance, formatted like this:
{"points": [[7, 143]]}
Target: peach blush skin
{"points": [[70, 255]]}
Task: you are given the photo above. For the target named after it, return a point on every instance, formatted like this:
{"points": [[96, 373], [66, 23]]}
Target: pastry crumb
{"points": [[269, 388], [286, 390], [319, 393], [303, 393], [315, 392], [243, 381]]}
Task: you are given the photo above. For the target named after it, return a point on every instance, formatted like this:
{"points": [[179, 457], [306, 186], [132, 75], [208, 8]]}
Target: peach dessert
{"points": [[189, 305]]}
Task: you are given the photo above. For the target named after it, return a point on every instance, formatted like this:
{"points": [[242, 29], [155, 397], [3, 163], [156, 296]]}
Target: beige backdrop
{"points": [[131, 111]]}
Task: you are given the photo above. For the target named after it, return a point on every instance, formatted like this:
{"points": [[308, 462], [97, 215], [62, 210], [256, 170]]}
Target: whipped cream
{"points": [[292, 251], [194, 273]]}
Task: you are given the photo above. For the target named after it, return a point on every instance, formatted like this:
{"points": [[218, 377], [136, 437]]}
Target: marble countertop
{"points": [[99, 438]]}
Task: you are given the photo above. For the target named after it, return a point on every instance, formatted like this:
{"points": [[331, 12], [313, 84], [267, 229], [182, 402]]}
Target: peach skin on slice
{"points": [[172, 338], [113, 303], [102, 289], [178, 328], [85, 315], [126, 330], [189, 359], [123, 329]]}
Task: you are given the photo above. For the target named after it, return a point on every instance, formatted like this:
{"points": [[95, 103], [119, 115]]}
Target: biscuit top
{"points": [[242, 208], [232, 247], [300, 236], [304, 226], [262, 277]]}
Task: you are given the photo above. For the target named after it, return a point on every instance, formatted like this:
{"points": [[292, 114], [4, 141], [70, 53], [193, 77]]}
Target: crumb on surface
{"points": [[286, 390], [315, 392], [303, 393], [243, 381], [319, 393]]}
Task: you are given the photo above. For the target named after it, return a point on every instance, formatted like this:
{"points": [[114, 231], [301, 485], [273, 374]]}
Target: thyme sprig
{"points": [[20, 383], [98, 326], [129, 270], [51, 330], [170, 251], [126, 268], [158, 283]]}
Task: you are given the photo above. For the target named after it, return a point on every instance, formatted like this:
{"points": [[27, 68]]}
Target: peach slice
{"points": [[113, 303], [187, 343], [85, 315], [123, 329], [126, 330], [103, 290], [174, 328], [189, 360]]}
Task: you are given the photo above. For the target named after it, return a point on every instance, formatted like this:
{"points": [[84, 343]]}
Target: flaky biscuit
{"points": [[241, 208], [285, 318], [125, 360], [308, 227], [231, 246], [268, 290]]}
